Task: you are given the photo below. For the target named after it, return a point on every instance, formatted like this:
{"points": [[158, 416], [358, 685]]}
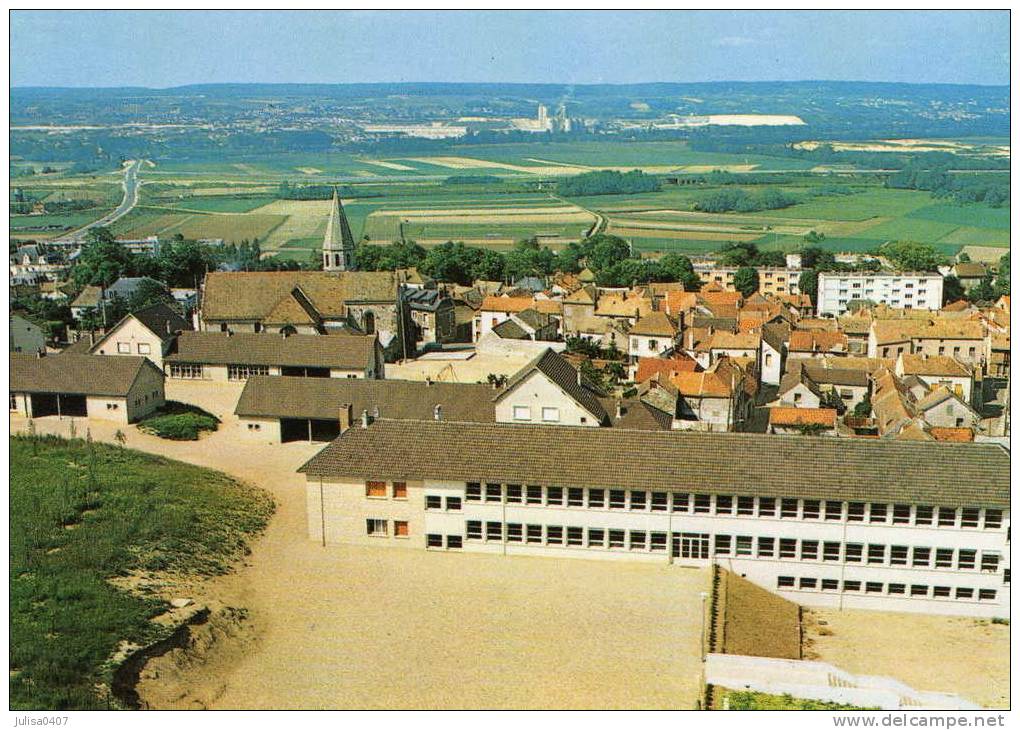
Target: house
{"points": [[840, 533], [716, 399], [282, 409], [127, 286], [121, 389], [793, 421], [529, 324], [963, 340], [852, 386], [816, 344], [498, 309], [149, 332], [677, 363], [532, 284], [970, 273], [549, 390], [943, 408], [798, 390], [772, 356], [726, 344], [309, 302], [88, 300], [226, 356], [654, 335], [907, 289], [433, 316], [937, 371], [26, 335]]}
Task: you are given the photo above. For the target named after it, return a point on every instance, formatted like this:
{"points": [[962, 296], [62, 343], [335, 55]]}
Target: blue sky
{"points": [[160, 48]]}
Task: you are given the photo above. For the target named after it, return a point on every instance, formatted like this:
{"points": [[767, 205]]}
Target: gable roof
{"points": [[836, 375], [273, 396], [77, 373], [534, 319], [510, 330], [160, 319], [556, 368], [342, 351], [932, 365], [817, 341], [755, 464], [781, 416], [90, 296], [649, 366], [654, 324]]}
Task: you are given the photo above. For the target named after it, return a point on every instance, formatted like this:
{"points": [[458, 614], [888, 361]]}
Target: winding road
{"points": [[130, 185]]}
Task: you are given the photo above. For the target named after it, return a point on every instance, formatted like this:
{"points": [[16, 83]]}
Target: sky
{"points": [[166, 48]]}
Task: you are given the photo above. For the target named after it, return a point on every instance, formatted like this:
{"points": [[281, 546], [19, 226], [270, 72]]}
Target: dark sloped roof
{"points": [[349, 352], [158, 316], [510, 330], [947, 474], [76, 373], [836, 376], [555, 367], [320, 398], [535, 319]]}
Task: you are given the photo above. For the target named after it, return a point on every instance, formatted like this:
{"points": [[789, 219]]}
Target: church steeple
{"points": [[338, 244]]}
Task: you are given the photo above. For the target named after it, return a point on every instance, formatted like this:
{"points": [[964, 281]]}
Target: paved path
{"points": [[130, 200]]}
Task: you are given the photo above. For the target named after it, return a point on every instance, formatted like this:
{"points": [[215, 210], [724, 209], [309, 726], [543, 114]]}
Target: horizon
{"points": [[172, 49]]}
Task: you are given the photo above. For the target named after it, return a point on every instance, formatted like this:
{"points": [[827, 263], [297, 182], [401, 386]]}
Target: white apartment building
{"points": [[818, 521], [902, 290]]}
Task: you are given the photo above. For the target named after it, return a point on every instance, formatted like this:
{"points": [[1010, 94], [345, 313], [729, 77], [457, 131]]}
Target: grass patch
{"points": [[763, 701], [132, 513], [179, 422]]}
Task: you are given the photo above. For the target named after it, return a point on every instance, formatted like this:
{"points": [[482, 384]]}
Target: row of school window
{"points": [[375, 527], [741, 506], [787, 583]]}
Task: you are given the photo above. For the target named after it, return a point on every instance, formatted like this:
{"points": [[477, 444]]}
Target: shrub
{"points": [[184, 426]]}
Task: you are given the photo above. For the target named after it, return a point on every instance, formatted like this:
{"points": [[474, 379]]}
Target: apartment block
{"points": [[905, 290]]}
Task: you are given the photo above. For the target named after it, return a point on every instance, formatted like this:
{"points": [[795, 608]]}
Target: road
{"points": [[130, 185]]}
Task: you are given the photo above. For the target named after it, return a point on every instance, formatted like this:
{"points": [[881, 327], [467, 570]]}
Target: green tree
{"points": [[863, 409], [912, 256], [102, 260], [983, 292], [812, 257], [452, 262], [1002, 278], [952, 290], [676, 267], [595, 378], [528, 258], [745, 280], [963, 257], [147, 293], [488, 266], [808, 284], [744, 253], [603, 250]]}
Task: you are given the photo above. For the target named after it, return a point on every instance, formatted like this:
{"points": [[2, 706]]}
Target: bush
{"points": [[179, 422]]}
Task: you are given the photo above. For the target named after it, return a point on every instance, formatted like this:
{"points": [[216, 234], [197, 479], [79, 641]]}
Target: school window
{"points": [[375, 489], [596, 498], [787, 547], [830, 552], [829, 584], [940, 591], [898, 555], [534, 495], [897, 589], [474, 492], [243, 372], [966, 559], [922, 557], [947, 517], [851, 586], [809, 550], [785, 581], [918, 591], [554, 535], [493, 530], [617, 499], [433, 541], [493, 492], [812, 508], [990, 562], [616, 538], [376, 527], [723, 505], [965, 593], [745, 506], [522, 413], [453, 503], [944, 558], [514, 532], [400, 528], [854, 552], [513, 493], [638, 539], [876, 554], [575, 497], [596, 538], [681, 502], [808, 584], [474, 530], [702, 503], [554, 496], [660, 501], [188, 371], [878, 512], [788, 508], [575, 536], [433, 501], [454, 542], [744, 545], [658, 542], [534, 534], [969, 517], [901, 514], [993, 519], [638, 500], [986, 594], [766, 506], [855, 512], [923, 514], [870, 587], [722, 544], [766, 547], [399, 490]]}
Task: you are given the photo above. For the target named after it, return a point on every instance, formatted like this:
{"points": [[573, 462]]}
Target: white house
{"points": [[149, 332], [901, 289], [549, 390]]}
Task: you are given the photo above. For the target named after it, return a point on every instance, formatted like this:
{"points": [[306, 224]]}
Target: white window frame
{"points": [[552, 411], [522, 413]]}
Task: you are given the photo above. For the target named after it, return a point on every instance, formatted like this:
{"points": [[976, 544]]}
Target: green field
{"points": [[220, 204], [83, 515]]}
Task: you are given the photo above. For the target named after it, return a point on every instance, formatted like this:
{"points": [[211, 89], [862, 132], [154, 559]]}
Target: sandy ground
{"points": [[965, 656], [365, 627]]}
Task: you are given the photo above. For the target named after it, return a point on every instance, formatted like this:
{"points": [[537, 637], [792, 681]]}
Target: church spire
{"points": [[338, 243]]}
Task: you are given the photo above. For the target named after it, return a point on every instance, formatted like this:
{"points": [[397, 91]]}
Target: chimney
{"points": [[40, 353], [619, 410], [230, 333], [578, 376], [437, 412], [346, 416], [428, 380], [168, 327], [364, 419], [375, 413], [92, 338], [284, 333]]}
